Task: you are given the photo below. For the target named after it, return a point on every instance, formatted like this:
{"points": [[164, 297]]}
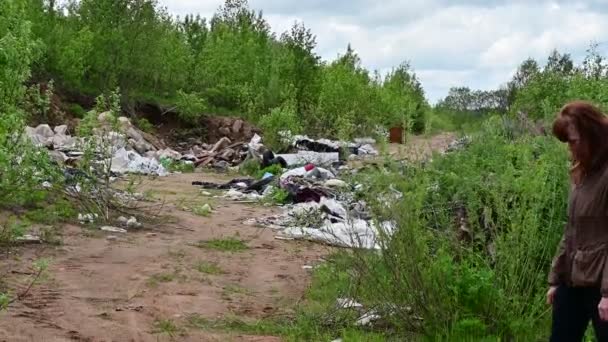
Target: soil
{"points": [[115, 290]]}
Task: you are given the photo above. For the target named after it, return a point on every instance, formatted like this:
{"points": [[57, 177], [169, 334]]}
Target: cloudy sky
{"points": [[449, 43]]}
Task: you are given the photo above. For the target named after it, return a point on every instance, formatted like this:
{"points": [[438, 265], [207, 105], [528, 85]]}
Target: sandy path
{"points": [[115, 290]]}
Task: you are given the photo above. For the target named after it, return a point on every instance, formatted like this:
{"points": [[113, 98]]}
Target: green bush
{"points": [[190, 107], [77, 111], [277, 124], [145, 125], [476, 232]]}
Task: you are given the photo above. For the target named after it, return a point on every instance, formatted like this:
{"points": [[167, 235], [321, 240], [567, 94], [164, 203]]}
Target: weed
{"points": [[250, 167], [166, 326], [272, 169], [177, 165], [202, 210], [208, 268], [156, 279], [225, 245], [145, 125], [236, 289]]}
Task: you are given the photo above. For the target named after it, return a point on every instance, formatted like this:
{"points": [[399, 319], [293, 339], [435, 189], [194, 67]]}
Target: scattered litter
{"points": [[307, 157], [307, 267], [132, 223], [131, 162], [347, 303], [151, 235], [87, 218], [336, 183], [28, 238], [113, 229], [206, 193], [367, 318], [112, 237]]}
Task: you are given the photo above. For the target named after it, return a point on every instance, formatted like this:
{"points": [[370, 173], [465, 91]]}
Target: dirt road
{"points": [[147, 285]]}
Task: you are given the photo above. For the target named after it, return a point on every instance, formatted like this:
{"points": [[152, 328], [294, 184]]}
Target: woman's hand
{"points": [[551, 296], [603, 309]]}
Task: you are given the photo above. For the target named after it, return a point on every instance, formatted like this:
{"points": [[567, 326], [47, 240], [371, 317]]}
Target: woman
{"points": [[579, 273]]}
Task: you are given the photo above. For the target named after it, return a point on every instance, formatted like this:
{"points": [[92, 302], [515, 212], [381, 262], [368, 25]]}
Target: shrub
{"points": [[145, 125], [476, 232], [275, 125], [190, 106]]}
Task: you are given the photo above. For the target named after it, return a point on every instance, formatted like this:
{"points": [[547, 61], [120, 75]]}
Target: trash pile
{"points": [[133, 151], [323, 208], [219, 156], [306, 150]]}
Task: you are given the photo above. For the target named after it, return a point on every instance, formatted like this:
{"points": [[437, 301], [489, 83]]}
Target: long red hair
{"points": [[592, 127]]}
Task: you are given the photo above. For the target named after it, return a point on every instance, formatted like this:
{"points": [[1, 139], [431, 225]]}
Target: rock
{"points": [[113, 229], [247, 132], [142, 147], [197, 150], [132, 133], [44, 130], [220, 145], [124, 122], [104, 118], [58, 156], [224, 130], [132, 223], [237, 126], [62, 129], [60, 141], [122, 220], [169, 154]]}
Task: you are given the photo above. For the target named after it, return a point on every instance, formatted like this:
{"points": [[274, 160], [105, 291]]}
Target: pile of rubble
{"points": [[135, 151]]}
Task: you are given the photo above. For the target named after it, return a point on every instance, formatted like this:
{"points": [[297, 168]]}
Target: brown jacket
{"points": [[581, 257]]}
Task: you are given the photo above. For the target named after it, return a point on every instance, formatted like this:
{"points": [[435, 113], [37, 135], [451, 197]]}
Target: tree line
{"points": [[231, 63]]}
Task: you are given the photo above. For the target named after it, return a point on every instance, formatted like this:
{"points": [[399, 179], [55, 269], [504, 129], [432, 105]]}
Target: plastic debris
{"points": [[131, 162], [113, 229]]}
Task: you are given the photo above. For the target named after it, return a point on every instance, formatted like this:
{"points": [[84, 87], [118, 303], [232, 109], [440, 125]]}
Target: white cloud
{"points": [[473, 43]]}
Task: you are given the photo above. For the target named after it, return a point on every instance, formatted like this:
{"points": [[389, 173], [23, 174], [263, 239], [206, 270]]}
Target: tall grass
{"points": [[477, 230]]}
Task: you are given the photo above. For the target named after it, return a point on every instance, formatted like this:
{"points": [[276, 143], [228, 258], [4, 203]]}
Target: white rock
{"points": [[104, 117], [132, 133], [132, 223], [169, 154], [122, 220], [45, 131], [61, 129]]}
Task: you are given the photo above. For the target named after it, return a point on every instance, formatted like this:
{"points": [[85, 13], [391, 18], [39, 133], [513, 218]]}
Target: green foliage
{"points": [[190, 107], [77, 111], [208, 268], [275, 169], [177, 165], [225, 245], [144, 125], [280, 123], [4, 301], [250, 167]]}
